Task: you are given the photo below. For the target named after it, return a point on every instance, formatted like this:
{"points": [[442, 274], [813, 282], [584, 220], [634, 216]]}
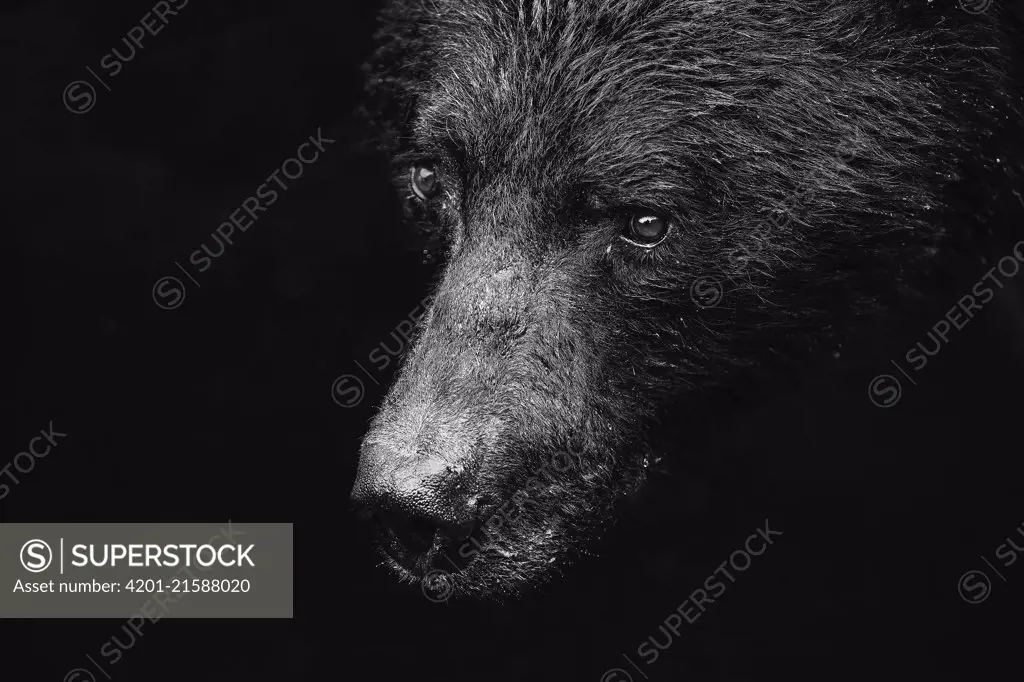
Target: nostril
{"points": [[418, 504]]}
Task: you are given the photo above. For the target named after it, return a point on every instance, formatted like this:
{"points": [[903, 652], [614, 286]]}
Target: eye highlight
{"points": [[646, 229], [425, 181]]}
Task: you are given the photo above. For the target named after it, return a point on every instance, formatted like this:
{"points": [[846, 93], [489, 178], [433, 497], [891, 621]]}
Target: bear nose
{"points": [[420, 499]]}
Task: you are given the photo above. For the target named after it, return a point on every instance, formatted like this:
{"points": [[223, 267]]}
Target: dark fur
{"points": [[552, 119]]}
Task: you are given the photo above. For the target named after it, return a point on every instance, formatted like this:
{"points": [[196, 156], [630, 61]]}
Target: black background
{"points": [[222, 408]]}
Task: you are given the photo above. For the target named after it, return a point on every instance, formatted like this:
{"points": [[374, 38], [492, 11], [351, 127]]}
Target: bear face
{"points": [[635, 201]]}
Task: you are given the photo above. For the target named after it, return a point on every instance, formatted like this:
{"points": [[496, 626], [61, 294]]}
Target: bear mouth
{"points": [[415, 552], [514, 540]]}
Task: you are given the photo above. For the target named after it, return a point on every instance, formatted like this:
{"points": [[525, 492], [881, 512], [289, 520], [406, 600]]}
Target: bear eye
{"points": [[424, 180], [646, 229]]}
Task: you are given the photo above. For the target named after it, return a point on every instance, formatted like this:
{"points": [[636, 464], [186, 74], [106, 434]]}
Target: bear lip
{"points": [[400, 557], [413, 564]]}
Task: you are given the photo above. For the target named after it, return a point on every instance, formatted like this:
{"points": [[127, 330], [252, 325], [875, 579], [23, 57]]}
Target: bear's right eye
{"points": [[425, 182], [646, 229]]}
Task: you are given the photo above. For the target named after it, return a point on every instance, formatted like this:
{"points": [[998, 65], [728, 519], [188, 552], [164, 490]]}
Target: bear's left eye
{"points": [[425, 182], [646, 229]]}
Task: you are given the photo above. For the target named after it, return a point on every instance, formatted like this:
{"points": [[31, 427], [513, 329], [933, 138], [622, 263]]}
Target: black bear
{"points": [[637, 200]]}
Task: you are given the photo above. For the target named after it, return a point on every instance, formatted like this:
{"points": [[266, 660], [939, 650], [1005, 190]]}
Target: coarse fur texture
{"points": [[815, 159]]}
